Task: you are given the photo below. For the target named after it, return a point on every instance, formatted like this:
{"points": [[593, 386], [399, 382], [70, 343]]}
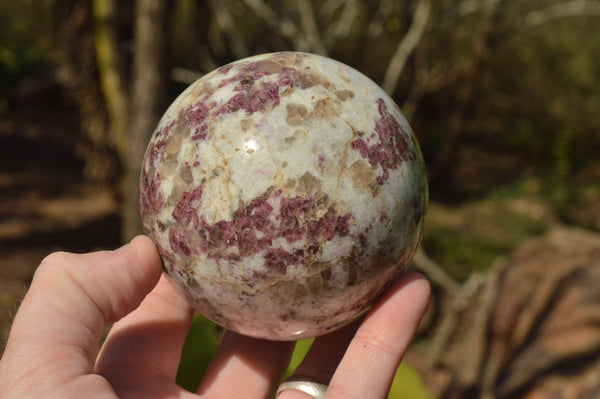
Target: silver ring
{"points": [[308, 385]]}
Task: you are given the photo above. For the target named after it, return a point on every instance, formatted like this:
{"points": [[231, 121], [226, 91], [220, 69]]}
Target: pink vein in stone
{"points": [[151, 196], [185, 210], [160, 141], [252, 98], [251, 94], [224, 69], [297, 223], [255, 227], [178, 242], [196, 115], [278, 259], [387, 146]]}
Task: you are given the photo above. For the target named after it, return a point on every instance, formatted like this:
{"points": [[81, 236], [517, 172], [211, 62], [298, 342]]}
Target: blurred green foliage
{"points": [[198, 349], [469, 237], [541, 98], [20, 56]]}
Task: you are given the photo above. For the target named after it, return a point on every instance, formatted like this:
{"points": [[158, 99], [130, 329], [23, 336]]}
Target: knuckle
{"points": [[56, 263], [52, 261], [373, 342]]}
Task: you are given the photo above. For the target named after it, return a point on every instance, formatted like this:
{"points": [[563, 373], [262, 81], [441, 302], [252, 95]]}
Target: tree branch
{"points": [[558, 11], [425, 264], [281, 25], [407, 46], [341, 29], [478, 333], [468, 290], [227, 26], [309, 25], [467, 7], [328, 9]]}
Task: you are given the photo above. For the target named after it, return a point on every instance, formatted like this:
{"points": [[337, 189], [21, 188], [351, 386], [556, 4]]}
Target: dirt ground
{"points": [[45, 204]]}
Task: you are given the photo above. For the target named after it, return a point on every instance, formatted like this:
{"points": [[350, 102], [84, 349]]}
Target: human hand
{"points": [[52, 350]]}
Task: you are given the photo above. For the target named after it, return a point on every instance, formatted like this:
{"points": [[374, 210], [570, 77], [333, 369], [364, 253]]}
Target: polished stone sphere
{"points": [[284, 192]]}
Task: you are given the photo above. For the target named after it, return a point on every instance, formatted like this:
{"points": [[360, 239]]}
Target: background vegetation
{"points": [[503, 95]]}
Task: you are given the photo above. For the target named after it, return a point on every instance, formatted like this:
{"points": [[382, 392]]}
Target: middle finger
{"points": [[245, 367]]}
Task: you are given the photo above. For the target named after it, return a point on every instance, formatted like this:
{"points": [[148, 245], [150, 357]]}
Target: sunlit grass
{"points": [[469, 237]]}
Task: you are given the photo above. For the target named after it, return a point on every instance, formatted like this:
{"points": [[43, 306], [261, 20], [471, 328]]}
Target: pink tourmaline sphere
{"points": [[285, 192]]}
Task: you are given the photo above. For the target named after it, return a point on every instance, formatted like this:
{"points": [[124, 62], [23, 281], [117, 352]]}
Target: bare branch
{"points": [[205, 61], [214, 37], [425, 264], [557, 11], [328, 9], [484, 287], [407, 46], [281, 25], [263, 11], [226, 23], [463, 9], [376, 25], [341, 29], [309, 24], [467, 7], [427, 81], [478, 334], [468, 290], [185, 76]]}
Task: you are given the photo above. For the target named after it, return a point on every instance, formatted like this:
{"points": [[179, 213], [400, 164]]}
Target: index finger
{"points": [[55, 334]]}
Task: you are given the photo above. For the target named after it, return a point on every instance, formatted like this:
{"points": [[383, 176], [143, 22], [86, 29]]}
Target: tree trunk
{"points": [[111, 69], [148, 88]]}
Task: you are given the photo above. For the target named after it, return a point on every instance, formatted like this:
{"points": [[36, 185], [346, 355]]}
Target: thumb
{"points": [[61, 319]]}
